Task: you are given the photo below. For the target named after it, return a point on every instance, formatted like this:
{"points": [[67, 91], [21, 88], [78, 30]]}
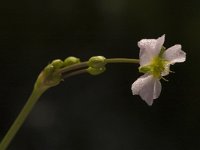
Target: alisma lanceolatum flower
{"points": [[155, 62]]}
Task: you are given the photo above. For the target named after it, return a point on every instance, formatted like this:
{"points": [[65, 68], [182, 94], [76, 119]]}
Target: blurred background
{"points": [[99, 112]]}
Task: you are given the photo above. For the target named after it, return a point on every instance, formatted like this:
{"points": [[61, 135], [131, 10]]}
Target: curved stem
{"points": [[21, 118], [73, 74], [39, 90], [74, 67], [85, 64]]}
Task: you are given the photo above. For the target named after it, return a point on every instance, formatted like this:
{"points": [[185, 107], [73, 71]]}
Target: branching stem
{"points": [[48, 79]]}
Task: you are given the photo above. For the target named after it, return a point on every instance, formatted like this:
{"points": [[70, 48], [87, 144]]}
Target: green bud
{"points": [[96, 71], [48, 78], [97, 62], [71, 61], [57, 63], [48, 69]]}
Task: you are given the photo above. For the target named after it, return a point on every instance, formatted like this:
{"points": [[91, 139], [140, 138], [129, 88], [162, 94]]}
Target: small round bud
{"points": [[49, 69], [96, 71], [71, 61], [97, 62], [57, 63]]}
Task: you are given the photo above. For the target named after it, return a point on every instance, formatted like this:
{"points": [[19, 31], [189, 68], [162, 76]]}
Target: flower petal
{"points": [[139, 83], [149, 48], [146, 47], [174, 54], [157, 89], [147, 87], [159, 43]]}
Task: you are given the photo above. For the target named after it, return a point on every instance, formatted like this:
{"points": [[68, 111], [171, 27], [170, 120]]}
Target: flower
{"points": [[155, 62]]}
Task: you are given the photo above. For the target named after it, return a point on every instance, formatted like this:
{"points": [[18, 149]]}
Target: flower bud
{"points": [[57, 63], [71, 61], [48, 78], [96, 71], [49, 69], [97, 62]]}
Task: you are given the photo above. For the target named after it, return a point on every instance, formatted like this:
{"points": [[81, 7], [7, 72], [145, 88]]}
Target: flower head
{"points": [[155, 62]]}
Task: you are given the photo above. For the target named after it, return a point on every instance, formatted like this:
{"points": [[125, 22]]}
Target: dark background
{"points": [[99, 112]]}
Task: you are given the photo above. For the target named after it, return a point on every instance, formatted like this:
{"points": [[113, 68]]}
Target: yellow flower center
{"points": [[155, 67], [158, 65]]}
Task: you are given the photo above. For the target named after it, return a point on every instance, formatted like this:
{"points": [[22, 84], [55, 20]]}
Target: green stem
{"points": [[122, 60], [74, 67], [21, 118], [48, 79], [74, 73], [110, 60]]}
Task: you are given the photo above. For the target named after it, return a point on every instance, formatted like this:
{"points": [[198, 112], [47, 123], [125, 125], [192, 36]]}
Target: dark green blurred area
{"points": [[99, 113]]}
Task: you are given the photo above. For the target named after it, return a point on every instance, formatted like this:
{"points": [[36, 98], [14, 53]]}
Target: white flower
{"points": [[155, 62]]}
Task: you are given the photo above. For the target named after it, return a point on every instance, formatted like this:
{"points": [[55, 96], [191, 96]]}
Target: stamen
{"points": [[164, 79]]}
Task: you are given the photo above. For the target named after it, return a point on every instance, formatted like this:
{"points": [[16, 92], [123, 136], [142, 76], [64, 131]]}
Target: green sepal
{"points": [[162, 51], [57, 63], [71, 61], [96, 71], [97, 62], [49, 77], [145, 69]]}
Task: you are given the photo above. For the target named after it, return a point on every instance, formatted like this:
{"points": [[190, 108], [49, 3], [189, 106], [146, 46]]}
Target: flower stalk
{"points": [[21, 118], [51, 76], [155, 61]]}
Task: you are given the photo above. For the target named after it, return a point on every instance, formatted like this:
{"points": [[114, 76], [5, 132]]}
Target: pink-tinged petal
{"points": [[147, 87], [149, 48], [139, 83], [174, 54], [159, 44], [157, 89]]}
